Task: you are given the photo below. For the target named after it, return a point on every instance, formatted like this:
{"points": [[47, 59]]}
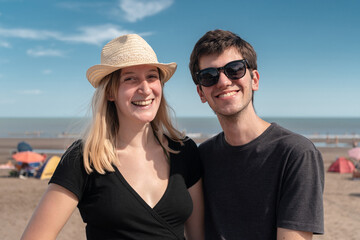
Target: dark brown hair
{"points": [[216, 42]]}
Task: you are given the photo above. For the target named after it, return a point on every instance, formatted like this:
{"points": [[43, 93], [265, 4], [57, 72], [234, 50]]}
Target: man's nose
{"points": [[223, 80]]}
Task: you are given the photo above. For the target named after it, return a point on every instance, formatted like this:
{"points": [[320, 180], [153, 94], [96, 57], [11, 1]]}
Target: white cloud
{"points": [[28, 33], [44, 52], [7, 101], [4, 61], [80, 5], [139, 9], [5, 44], [47, 71], [30, 92], [96, 35]]}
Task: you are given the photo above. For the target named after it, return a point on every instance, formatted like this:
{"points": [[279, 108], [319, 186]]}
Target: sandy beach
{"points": [[19, 197]]}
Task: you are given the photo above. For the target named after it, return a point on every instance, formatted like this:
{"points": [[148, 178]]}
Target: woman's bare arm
{"points": [[51, 214]]}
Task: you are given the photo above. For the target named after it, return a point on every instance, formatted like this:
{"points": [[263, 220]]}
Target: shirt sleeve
{"points": [[301, 202], [191, 161], [70, 172]]}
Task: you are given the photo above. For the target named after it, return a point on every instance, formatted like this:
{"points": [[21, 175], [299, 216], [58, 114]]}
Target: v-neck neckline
{"points": [[137, 195]]}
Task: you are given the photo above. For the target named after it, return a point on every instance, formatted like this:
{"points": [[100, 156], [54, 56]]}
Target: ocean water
{"points": [[41, 127], [193, 126]]}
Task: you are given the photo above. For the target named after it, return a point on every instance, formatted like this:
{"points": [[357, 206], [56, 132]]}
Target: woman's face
{"points": [[139, 94]]}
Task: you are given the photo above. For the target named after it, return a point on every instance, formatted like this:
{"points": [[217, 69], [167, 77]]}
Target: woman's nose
{"points": [[145, 87]]}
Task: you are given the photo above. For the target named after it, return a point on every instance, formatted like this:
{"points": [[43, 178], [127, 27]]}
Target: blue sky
{"points": [[308, 52]]}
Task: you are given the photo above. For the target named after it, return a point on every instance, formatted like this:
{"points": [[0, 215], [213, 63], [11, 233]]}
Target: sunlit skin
{"points": [[137, 101], [228, 97], [231, 100], [139, 94], [141, 159]]}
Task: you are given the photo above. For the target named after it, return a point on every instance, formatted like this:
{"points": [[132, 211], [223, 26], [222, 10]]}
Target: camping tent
{"points": [[47, 170], [24, 146], [342, 165]]}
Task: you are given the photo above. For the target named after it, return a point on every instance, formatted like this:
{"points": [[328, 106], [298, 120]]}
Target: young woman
{"points": [[133, 175]]}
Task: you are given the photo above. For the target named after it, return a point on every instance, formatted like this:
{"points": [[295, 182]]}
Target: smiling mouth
{"points": [[228, 94], [143, 102]]}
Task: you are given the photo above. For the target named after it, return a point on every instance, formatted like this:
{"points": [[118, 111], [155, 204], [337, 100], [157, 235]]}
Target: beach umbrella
{"points": [[28, 157], [354, 153]]}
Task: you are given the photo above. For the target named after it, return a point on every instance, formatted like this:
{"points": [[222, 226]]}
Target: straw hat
{"points": [[126, 51]]}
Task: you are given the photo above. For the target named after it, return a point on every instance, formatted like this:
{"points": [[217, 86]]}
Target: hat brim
{"points": [[97, 72]]}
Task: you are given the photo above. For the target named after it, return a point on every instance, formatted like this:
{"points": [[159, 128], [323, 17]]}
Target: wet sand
{"points": [[19, 197]]}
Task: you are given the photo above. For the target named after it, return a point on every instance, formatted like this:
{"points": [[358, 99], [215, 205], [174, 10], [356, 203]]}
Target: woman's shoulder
{"points": [[74, 151], [184, 143], [76, 146]]}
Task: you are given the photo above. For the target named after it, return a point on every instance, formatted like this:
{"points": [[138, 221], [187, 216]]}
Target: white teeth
{"points": [[227, 94], [143, 103]]}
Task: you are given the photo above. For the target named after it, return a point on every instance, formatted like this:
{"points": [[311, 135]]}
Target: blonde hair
{"points": [[100, 139]]}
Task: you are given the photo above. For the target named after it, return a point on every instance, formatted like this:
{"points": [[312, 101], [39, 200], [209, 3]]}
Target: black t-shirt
{"points": [[112, 209], [276, 180]]}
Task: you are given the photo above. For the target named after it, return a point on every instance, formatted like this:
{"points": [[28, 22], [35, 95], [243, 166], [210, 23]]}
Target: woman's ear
{"points": [[111, 83], [110, 96]]}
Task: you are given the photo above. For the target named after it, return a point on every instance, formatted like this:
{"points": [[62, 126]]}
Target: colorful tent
{"points": [[48, 169], [24, 146], [342, 165]]}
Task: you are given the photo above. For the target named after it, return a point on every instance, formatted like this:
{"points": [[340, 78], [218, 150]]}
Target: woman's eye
{"points": [[153, 77], [129, 79]]}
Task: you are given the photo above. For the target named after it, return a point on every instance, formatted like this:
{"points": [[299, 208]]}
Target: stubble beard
{"points": [[233, 116]]}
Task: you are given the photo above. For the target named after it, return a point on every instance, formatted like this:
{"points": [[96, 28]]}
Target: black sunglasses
{"points": [[233, 70]]}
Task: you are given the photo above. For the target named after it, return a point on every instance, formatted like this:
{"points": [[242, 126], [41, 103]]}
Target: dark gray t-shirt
{"points": [[276, 180]]}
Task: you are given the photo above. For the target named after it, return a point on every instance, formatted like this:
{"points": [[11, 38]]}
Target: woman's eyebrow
{"points": [[124, 73], [131, 72]]}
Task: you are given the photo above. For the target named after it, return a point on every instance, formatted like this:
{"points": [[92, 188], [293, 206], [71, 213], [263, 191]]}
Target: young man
{"points": [[261, 181]]}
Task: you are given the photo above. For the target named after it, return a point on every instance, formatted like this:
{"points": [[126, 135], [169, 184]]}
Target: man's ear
{"points": [[255, 80], [201, 94]]}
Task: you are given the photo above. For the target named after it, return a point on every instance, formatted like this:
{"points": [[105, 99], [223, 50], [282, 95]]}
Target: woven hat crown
{"points": [[126, 51], [129, 48]]}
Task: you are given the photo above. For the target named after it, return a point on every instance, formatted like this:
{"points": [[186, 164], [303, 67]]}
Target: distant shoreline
{"points": [[207, 126], [58, 144]]}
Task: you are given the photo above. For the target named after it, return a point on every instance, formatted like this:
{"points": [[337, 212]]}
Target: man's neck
{"points": [[243, 128]]}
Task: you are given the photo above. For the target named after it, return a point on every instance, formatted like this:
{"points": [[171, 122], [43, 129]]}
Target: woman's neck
{"points": [[135, 136]]}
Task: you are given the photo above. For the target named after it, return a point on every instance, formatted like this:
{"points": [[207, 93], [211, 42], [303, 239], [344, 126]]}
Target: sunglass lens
{"points": [[235, 70], [208, 77]]}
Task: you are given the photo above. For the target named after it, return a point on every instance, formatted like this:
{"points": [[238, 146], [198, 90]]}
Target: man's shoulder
{"points": [[288, 139], [211, 141], [290, 134]]}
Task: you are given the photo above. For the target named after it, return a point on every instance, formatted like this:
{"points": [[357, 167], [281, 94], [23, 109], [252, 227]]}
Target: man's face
{"points": [[228, 97]]}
